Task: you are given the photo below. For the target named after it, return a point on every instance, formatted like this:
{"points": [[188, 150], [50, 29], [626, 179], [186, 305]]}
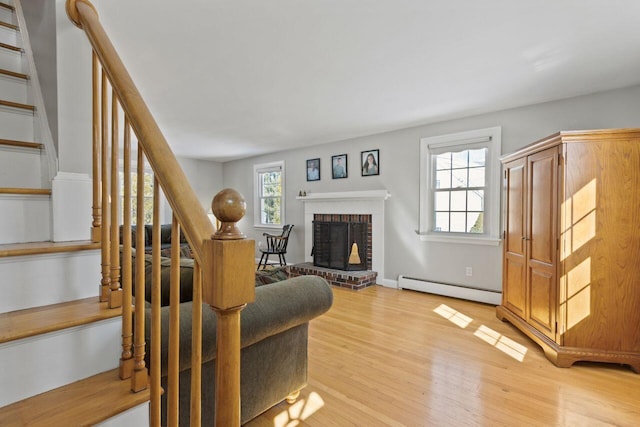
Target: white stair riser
{"points": [[9, 36], [10, 60], [25, 218], [137, 416], [14, 162], [16, 124], [13, 89], [7, 16], [37, 280], [37, 364]]}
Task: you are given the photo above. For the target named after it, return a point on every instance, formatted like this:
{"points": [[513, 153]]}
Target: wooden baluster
{"points": [[95, 164], [126, 359], [156, 333], [106, 277], [228, 287], [173, 392], [115, 294], [196, 348], [139, 378]]}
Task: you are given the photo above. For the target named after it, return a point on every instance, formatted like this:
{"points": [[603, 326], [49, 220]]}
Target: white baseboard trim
{"points": [[388, 283], [449, 290]]}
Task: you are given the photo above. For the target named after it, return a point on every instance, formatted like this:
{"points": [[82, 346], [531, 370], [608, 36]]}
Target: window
{"points": [[460, 187], [269, 194], [147, 195]]}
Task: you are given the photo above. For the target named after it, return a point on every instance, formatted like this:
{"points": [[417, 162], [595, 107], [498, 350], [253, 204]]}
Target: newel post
{"points": [[228, 285]]}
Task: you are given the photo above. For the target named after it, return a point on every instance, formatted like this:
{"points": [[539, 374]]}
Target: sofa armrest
{"points": [[278, 307]]}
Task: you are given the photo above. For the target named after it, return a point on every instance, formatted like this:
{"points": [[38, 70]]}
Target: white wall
{"points": [[74, 95], [205, 178], [40, 17], [399, 172]]}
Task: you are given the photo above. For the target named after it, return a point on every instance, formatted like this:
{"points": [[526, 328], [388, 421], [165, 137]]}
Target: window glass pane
{"points": [[442, 221], [148, 185], [270, 210], [443, 179], [476, 177], [458, 222], [459, 178], [475, 200], [474, 222], [270, 183], [442, 200], [460, 159], [458, 201], [443, 161], [477, 157]]}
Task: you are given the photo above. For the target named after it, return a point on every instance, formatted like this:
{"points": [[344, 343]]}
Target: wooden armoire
{"points": [[571, 267]]}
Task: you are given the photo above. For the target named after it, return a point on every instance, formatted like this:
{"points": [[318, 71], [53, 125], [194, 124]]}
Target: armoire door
{"points": [[514, 289], [541, 239]]}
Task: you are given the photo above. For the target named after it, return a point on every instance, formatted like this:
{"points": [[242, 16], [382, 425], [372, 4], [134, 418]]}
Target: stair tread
{"points": [[26, 191], [14, 74], [86, 402], [7, 6], [23, 144], [17, 104], [29, 322], [8, 25], [38, 248], [11, 47]]}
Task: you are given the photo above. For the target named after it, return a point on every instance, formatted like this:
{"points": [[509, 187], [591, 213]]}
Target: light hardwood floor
{"points": [[385, 357]]}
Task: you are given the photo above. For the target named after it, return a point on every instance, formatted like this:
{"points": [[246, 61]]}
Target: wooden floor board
{"points": [[385, 357]]}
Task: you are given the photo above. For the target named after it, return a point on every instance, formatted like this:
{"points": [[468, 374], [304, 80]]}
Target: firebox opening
{"points": [[341, 245]]}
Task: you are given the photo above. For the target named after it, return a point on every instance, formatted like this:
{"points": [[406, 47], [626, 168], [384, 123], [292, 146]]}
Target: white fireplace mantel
{"points": [[349, 195], [369, 202]]}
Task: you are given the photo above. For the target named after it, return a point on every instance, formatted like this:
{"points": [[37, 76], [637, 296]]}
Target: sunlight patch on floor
{"points": [[299, 411], [502, 343], [453, 316]]}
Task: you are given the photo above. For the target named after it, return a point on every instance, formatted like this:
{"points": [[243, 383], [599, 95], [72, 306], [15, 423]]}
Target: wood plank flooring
{"points": [[385, 357]]}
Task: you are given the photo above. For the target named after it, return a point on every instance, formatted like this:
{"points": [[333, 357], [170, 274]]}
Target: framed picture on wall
{"points": [[313, 170], [339, 166], [370, 161]]}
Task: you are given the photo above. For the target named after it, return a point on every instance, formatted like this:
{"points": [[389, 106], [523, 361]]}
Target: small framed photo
{"points": [[370, 161], [339, 166], [313, 170]]}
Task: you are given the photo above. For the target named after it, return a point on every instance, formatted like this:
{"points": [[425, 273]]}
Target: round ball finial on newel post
{"points": [[229, 206]]}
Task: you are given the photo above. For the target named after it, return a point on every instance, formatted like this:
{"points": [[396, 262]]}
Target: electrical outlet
{"points": [[469, 271]]}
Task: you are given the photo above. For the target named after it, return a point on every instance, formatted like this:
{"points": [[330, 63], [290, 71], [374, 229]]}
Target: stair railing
{"points": [[223, 259]]}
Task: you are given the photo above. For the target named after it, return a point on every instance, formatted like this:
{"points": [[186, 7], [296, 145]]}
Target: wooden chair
{"points": [[276, 245]]}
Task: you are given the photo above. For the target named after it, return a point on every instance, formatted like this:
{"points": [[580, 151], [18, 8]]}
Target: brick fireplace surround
{"points": [[346, 203]]}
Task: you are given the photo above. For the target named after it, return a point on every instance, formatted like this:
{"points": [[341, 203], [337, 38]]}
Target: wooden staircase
{"points": [[59, 346]]}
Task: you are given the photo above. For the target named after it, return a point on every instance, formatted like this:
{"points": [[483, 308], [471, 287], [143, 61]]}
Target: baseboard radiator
{"points": [[456, 291]]}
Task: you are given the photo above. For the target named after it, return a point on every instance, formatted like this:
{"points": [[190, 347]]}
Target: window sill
{"points": [[268, 227], [466, 240]]}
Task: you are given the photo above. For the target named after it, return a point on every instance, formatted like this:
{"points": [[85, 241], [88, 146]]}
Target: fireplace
{"points": [[369, 202], [342, 242]]}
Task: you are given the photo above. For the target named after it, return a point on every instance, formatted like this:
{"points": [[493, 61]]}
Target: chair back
{"points": [[282, 243]]}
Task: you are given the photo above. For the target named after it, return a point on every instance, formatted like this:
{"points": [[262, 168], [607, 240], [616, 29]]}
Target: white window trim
{"points": [[256, 199], [492, 191]]}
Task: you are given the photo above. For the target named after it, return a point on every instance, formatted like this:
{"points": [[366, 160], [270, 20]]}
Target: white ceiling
{"points": [[228, 79]]}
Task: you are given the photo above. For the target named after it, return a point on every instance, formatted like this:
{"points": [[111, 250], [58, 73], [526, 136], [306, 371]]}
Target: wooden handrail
{"points": [[183, 200]]}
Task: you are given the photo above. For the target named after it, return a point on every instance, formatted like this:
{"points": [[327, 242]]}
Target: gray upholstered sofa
{"points": [[274, 332]]}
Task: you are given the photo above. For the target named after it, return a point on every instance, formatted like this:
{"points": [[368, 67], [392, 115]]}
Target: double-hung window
{"points": [[269, 194], [147, 196], [460, 187]]}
